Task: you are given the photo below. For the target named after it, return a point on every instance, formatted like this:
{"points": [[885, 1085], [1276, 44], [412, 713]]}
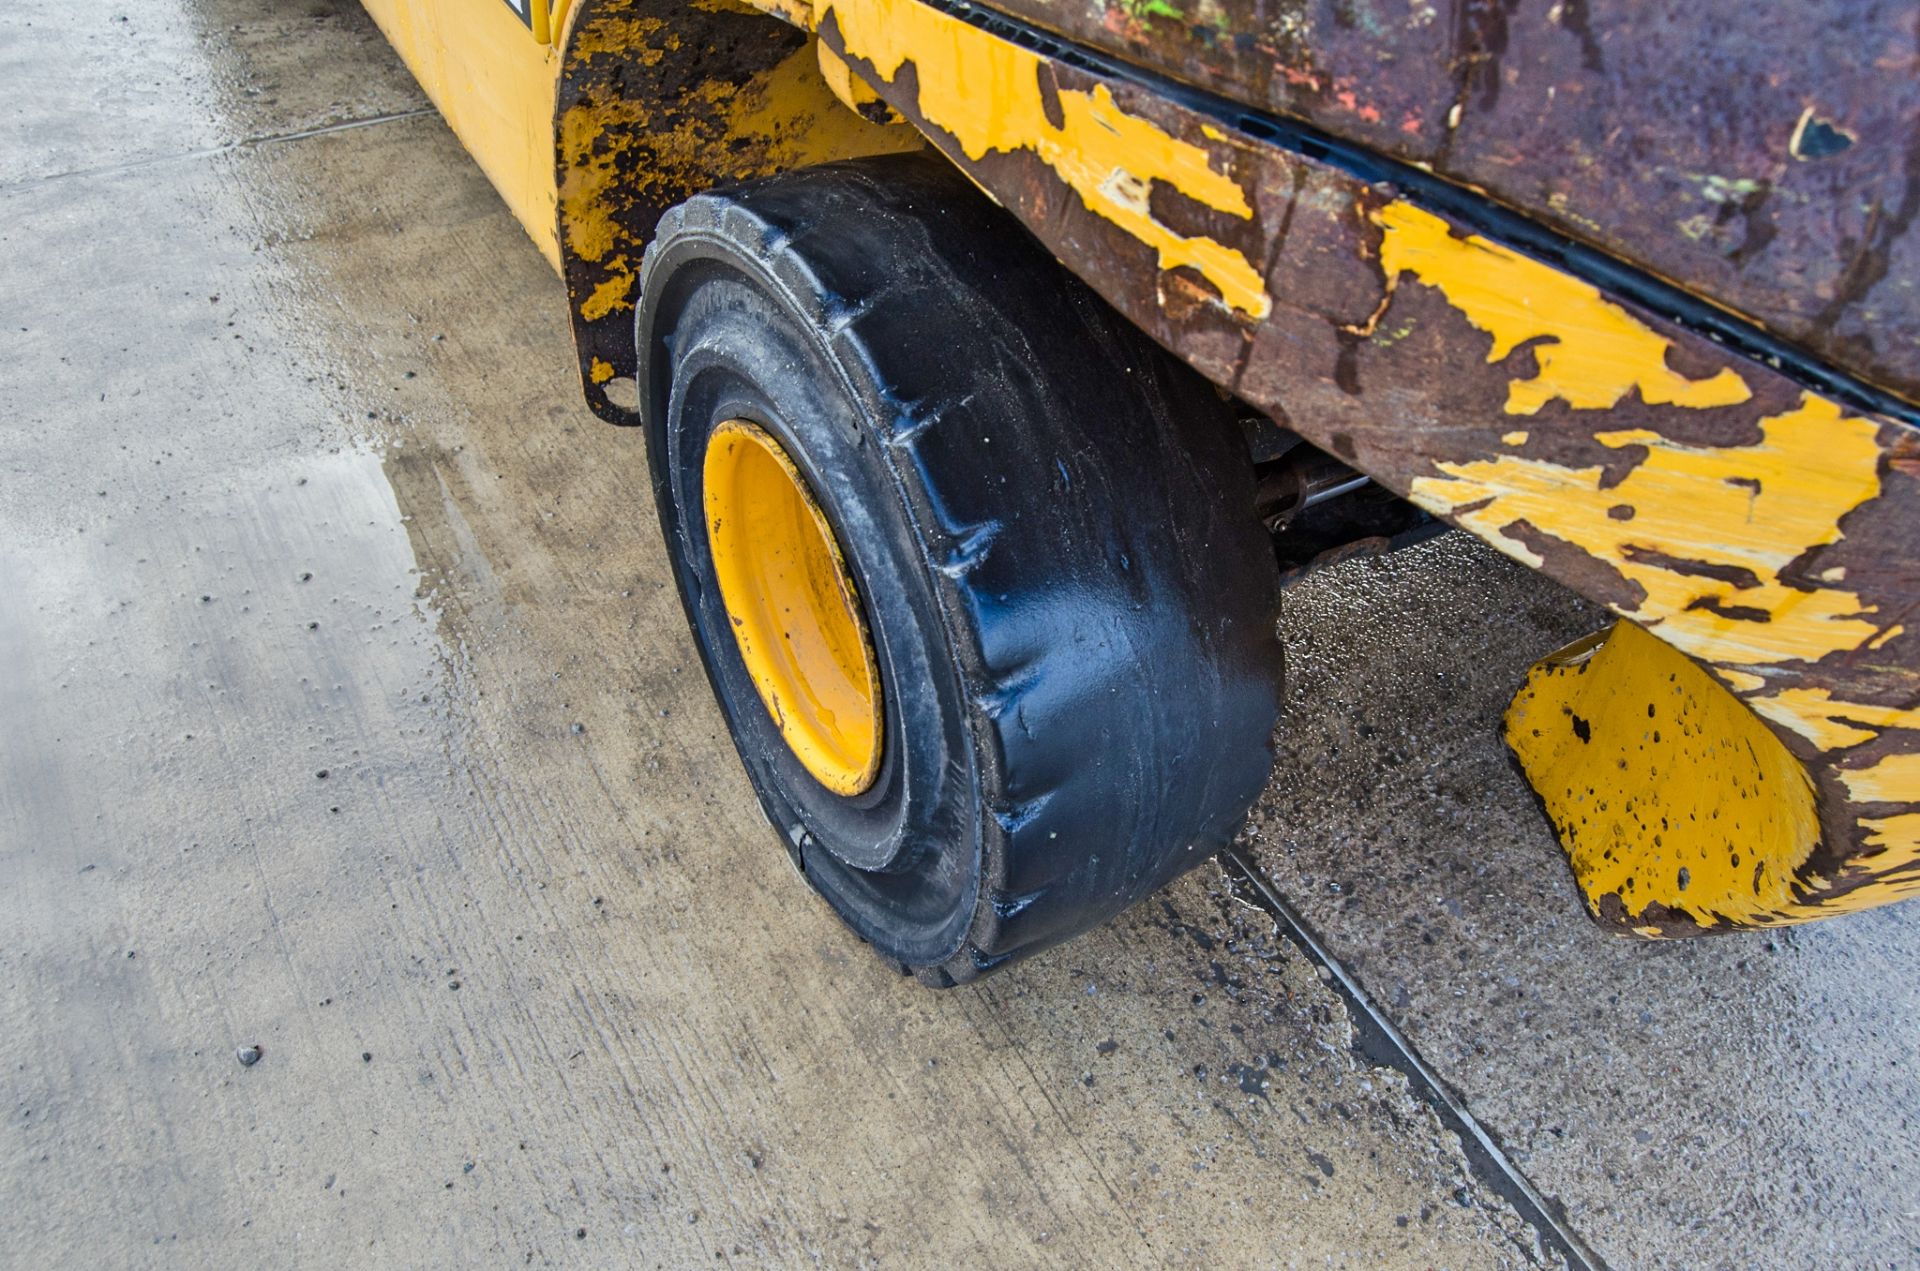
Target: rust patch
{"points": [[1757, 526], [1785, 199], [656, 102]]}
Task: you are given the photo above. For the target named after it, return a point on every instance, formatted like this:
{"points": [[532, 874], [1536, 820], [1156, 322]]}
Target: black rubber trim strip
{"points": [[1476, 212], [1383, 1045]]}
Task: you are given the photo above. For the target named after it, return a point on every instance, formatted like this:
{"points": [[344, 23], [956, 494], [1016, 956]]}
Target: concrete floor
{"points": [[1741, 1101], [351, 716]]}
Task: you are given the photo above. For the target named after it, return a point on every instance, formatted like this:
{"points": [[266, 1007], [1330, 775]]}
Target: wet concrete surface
{"points": [[351, 717]]}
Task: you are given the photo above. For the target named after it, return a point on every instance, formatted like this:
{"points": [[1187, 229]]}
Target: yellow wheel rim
{"points": [[793, 608]]}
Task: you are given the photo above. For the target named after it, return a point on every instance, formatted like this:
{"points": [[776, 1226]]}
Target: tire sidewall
{"points": [[903, 858]]}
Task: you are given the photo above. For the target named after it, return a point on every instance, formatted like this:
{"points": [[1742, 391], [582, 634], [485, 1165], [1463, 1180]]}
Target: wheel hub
{"points": [[792, 606]]}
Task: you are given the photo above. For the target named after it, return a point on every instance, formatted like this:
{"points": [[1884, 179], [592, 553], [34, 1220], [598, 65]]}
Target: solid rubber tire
{"points": [[1050, 522]]}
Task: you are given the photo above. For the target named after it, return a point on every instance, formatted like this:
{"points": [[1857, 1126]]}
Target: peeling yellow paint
{"points": [[1710, 539], [1591, 353], [786, 117], [592, 136], [1888, 874], [1899, 834], [642, 40], [852, 91], [1828, 722], [1664, 788], [1895, 779], [1704, 537], [614, 292], [1648, 769], [986, 94], [1891, 872], [1710, 532]]}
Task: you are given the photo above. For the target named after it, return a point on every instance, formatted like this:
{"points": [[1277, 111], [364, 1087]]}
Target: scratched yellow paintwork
{"points": [[1832, 723], [1665, 789], [1704, 538], [852, 91], [1891, 873], [592, 137], [1753, 509], [785, 118], [1594, 352], [1670, 795], [1892, 780], [642, 40], [1704, 533], [1899, 837], [985, 93]]}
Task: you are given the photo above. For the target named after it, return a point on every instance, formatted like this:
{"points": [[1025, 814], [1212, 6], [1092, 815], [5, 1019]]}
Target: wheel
{"points": [[973, 567]]}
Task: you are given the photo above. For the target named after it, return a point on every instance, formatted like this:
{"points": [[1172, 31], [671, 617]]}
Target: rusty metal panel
{"points": [[658, 100], [1756, 516], [1767, 158]]}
